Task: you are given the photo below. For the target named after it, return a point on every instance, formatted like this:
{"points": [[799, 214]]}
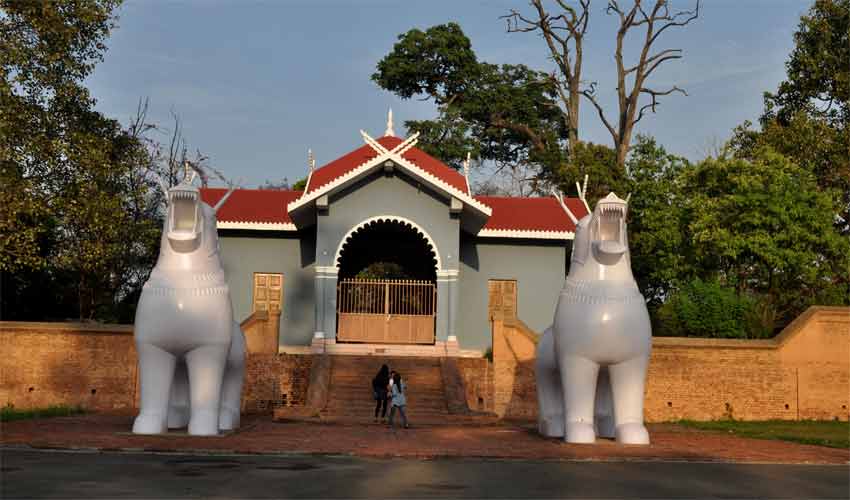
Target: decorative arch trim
{"points": [[389, 218]]}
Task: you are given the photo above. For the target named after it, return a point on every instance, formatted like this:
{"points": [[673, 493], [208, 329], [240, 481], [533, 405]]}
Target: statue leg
{"points": [[178, 407], [603, 414], [578, 379], [550, 395], [206, 369], [156, 371], [627, 383], [231, 388]]}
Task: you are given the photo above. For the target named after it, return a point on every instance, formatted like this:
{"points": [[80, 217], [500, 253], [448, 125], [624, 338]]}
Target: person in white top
{"points": [[399, 401]]}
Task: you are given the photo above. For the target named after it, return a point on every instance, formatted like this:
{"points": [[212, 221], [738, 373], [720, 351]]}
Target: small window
{"points": [[268, 292]]}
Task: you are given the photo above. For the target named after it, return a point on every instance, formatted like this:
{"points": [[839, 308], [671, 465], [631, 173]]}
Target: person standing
{"points": [[379, 391], [399, 401]]}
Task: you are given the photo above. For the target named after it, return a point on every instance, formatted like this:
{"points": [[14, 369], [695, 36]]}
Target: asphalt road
{"points": [[54, 474]]}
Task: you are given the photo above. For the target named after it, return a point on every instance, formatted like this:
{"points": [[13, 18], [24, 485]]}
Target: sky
{"points": [[257, 83]]}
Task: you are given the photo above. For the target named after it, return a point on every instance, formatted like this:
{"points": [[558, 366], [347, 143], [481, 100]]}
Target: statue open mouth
{"points": [[183, 220], [608, 230]]}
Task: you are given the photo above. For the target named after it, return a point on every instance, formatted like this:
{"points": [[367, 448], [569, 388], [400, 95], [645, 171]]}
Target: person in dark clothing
{"points": [[379, 390]]}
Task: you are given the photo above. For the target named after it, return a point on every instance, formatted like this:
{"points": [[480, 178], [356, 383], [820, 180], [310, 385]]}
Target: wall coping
{"points": [[67, 327], [813, 313], [827, 313], [93, 327]]}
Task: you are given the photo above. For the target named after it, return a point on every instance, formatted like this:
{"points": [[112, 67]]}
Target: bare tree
{"points": [[632, 80], [564, 35]]}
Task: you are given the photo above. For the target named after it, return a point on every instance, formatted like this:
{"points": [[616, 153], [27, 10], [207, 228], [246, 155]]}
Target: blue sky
{"points": [[257, 83]]}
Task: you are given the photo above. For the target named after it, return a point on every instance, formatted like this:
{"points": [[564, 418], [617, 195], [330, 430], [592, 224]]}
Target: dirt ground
{"points": [[259, 434]]}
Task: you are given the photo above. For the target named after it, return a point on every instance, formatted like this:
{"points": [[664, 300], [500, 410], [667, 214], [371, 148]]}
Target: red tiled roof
{"points": [[337, 168], [531, 214], [252, 205]]}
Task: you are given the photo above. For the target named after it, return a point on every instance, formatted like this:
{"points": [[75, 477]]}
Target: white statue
{"points": [[592, 361], [191, 351]]}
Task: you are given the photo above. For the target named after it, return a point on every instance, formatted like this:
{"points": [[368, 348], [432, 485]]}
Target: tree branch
{"points": [[654, 94], [589, 94], [691, 15]]}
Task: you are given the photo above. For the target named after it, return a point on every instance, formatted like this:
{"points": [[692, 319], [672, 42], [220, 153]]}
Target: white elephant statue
{"points": [[591, 363], [191, 351]]}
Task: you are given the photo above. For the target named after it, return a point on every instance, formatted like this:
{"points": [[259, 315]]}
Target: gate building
{"points": [[387, 247]]}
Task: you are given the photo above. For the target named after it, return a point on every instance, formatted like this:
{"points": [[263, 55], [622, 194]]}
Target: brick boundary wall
{"points": [[94, 366], [806, 367], [803, 373]]}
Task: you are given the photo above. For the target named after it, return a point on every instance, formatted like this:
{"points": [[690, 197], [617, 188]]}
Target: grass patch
{"points": [[9, 412], [830, 433]]}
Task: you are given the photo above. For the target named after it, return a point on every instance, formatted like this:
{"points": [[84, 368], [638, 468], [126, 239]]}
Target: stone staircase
{"points": [[350, 388]]}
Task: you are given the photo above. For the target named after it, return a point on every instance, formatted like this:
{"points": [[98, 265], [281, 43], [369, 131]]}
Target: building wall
{"points": [[380, 194], [291, 254], [538, 266]]}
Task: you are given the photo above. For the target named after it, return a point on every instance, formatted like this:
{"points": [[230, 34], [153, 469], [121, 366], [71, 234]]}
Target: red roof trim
{"points": [[531, 214], [342, 165], [252, 205]]}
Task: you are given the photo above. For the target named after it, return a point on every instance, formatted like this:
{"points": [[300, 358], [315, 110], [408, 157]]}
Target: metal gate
{"points": [[386, 311]]}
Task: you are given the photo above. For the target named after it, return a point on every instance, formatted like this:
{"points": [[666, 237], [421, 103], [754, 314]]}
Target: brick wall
{"points": [[95, 366], [806, 368], [477, 375], [45, 364], [804, 373], [275, 381]]}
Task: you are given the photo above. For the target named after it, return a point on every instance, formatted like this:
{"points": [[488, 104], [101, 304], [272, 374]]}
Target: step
{"points": [[350, 387]]}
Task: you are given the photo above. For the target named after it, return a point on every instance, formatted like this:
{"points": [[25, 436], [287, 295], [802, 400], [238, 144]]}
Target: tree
{"points": [[764, 228], [660, 254], [818, 76], [506, 114], [45, 51], [564, 36], [632, 80], [76, 223], [807, 118]]}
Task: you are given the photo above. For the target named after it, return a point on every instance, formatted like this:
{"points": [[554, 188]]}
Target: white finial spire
{"points": [[311, 160], [390, 132], [466, 170]]}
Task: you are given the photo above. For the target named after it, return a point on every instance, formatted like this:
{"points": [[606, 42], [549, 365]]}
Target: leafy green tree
{"points": [[382, 271], [807, 118], [506, 114], [710, 309], [657, 238], [77, 223], [818, 74], [596, 161], [764, 228]]}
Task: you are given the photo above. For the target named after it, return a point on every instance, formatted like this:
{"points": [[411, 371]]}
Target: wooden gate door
{"points": [[386, 311]]}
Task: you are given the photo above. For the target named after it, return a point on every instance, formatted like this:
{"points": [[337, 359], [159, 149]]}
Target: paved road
{"points": [[99, 475]]}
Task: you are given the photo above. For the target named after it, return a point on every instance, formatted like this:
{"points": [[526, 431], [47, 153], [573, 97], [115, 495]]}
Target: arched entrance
{"points": [[386, 291]]}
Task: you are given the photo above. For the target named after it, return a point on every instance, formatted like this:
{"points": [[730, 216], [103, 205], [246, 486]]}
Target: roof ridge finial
{"points": [[389, 132], [466, 170], [311, 160]]}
